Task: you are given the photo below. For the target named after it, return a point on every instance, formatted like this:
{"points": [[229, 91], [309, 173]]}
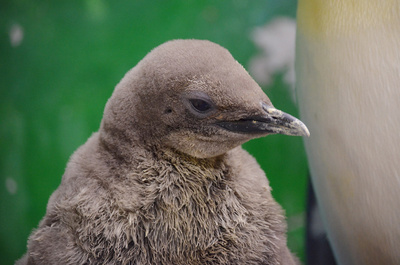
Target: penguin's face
{"points": [[211, 115], [194, 97]]}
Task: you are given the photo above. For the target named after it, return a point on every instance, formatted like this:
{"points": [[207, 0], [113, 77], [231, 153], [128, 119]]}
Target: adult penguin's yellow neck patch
{"points": [[331, 18]]}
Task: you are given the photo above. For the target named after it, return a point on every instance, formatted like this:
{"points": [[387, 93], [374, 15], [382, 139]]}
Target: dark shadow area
{"points": [[318, 249]]}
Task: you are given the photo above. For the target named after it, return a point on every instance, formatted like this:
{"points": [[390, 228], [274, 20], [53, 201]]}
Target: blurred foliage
{"points": [[56, 79]]}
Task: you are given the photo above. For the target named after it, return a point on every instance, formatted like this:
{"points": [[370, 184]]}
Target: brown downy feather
{"points": [[166, 187]]}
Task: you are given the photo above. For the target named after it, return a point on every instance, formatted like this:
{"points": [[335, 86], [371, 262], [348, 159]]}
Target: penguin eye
{"points": [[200, 105]]}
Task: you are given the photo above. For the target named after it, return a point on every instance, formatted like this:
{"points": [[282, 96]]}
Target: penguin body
{"points": [[348, 75], [165, 180]]}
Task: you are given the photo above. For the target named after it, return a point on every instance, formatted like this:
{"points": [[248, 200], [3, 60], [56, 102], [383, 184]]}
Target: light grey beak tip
{"points": [[288, 124], [301, 127], [306, 131]]}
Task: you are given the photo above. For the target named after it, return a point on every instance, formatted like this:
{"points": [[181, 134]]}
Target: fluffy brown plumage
{"points": [[165, 180]]}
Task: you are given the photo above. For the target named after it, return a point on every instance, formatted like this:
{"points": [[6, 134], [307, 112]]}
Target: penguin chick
{"points": [[165, 180]]}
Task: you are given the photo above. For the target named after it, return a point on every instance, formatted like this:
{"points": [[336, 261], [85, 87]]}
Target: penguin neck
{"points": [[185, 178], [174, 156], [204, 171]]}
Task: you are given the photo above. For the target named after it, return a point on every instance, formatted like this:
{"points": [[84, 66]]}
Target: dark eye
{"points": [[200, 105]]}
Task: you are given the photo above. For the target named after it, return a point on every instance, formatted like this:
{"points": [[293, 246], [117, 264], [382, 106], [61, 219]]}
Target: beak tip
{"points": [[300, 129], [303, 129], [307, 133]]}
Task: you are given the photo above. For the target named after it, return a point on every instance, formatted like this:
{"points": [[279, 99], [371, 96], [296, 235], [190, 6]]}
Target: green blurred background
{"points": [[57, 74]]}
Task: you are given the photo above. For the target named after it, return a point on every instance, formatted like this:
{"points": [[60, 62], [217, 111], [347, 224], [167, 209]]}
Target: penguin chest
{"points": [[205, 224]]}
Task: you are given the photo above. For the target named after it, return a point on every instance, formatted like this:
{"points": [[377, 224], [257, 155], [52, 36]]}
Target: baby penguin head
{"points": [[194, 97]]}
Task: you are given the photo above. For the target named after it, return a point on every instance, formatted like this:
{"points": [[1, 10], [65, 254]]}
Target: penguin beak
{"points": [[272, 122]]}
